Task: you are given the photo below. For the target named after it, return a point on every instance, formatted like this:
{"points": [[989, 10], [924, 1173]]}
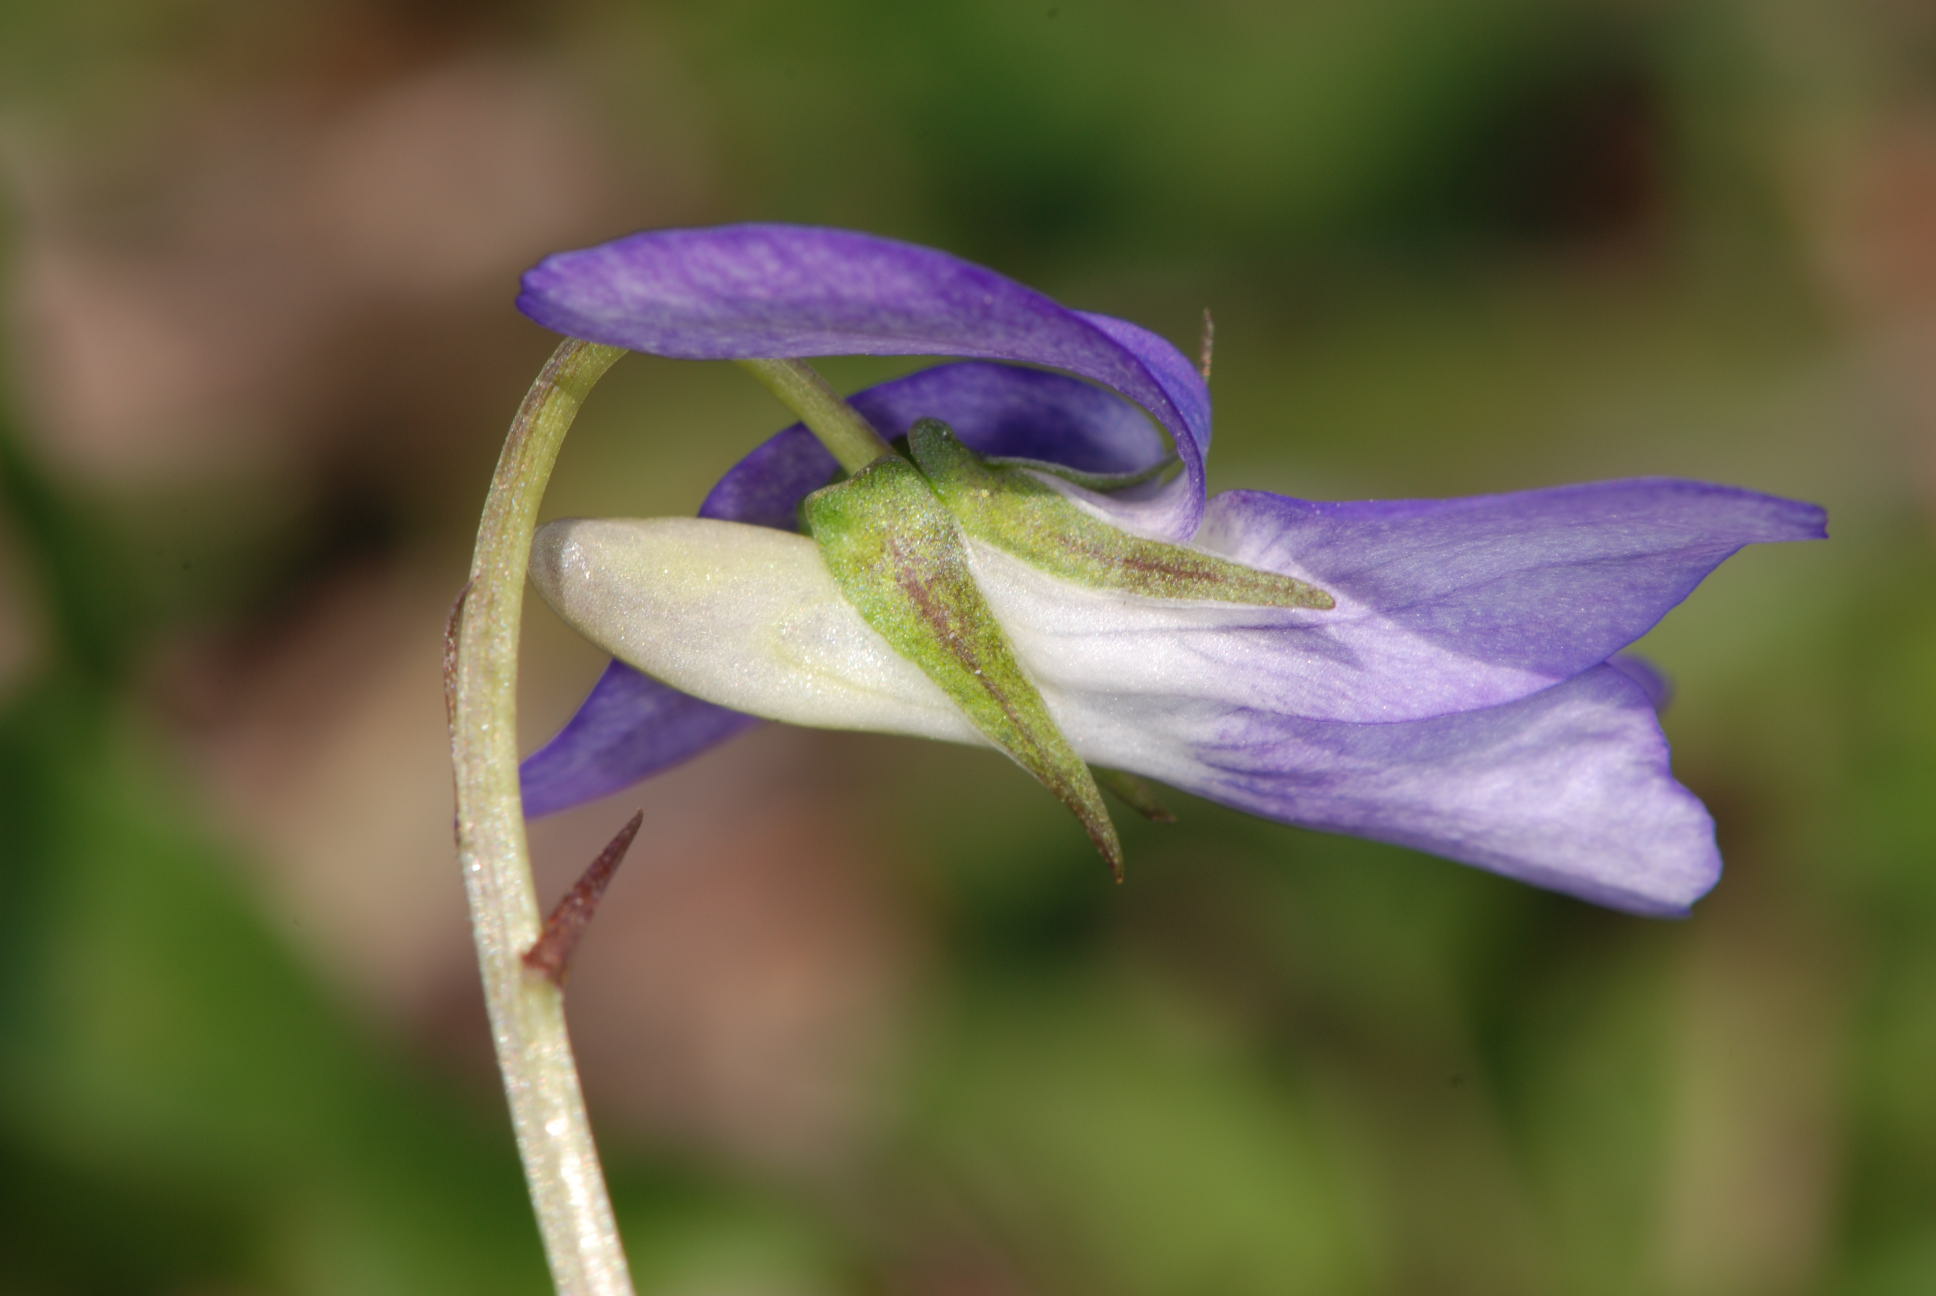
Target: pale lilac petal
{"points": [[1652, 680], [1442, 605], [1568, 789], [631, 727], [742, 291]]}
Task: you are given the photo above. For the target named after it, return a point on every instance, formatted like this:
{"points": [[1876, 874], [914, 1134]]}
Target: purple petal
{"points": [[998, 409], [1568, 789], [740, 291], [1651, 679], [631, 727], [1451, 605]]}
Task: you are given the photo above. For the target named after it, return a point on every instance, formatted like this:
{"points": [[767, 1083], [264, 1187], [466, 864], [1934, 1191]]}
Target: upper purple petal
{"points": [[997, 409], [631, 727], [747, 291]]}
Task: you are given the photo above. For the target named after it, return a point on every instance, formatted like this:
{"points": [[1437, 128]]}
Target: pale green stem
{"points": [[527, 1008], [840, 427]]}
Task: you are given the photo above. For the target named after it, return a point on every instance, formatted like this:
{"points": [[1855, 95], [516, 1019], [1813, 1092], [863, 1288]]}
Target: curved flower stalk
{"points": [[1449, 677]]}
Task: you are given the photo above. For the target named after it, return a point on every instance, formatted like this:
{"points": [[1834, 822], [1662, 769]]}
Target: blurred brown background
{"points": [[846, 1028]]}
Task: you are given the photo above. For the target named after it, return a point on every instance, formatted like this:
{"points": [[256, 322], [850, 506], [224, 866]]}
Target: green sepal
{"points": [[900, 560], [1022, 515]]}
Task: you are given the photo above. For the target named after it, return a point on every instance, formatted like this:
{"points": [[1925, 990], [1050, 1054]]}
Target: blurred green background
{"points": [[864, 1015]]}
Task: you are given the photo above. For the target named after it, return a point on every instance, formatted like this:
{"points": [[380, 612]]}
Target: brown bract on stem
{"points": [[552, 953]]}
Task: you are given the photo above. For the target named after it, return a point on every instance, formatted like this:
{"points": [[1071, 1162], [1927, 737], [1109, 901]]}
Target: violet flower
{"points": [[1457, 690]]}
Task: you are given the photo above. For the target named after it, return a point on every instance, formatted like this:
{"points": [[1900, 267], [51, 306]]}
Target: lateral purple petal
{"points": [[1568, 789], [747, 291], [1450, 605]]}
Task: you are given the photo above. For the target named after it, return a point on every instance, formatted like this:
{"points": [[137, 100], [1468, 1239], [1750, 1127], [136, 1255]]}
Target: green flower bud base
{"points": [[900, 560]]}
